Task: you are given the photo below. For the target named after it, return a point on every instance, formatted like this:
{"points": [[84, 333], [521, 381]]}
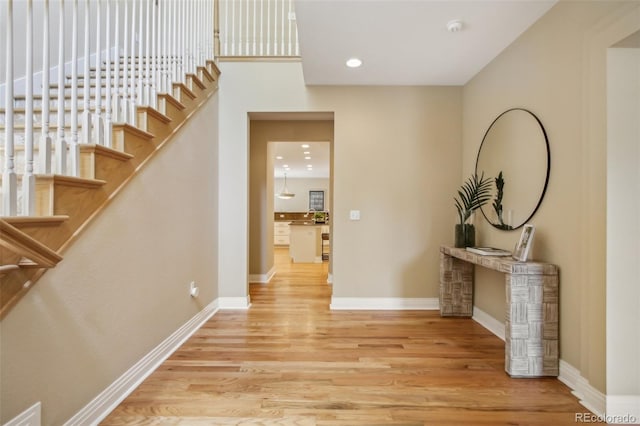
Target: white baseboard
{"points": [[30, 417], [488, 322], [234, 302], [115, 393], [384, 303], [623, 409], [590, 397], [262, 278], [330, 279]]}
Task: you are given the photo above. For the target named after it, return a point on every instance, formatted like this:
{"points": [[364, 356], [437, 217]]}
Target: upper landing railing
{"points": [[258, 28]]}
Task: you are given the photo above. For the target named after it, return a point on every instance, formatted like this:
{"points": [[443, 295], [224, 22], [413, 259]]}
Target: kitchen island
{"points": [[305, 241]]}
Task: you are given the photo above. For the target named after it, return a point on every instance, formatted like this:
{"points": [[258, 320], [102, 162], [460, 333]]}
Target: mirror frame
{"points": [[546, 179]]}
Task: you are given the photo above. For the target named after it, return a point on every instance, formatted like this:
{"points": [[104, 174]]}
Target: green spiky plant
{"points": [[473, 194]]}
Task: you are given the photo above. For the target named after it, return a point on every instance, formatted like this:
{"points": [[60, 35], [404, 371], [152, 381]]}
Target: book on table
{"points": [[488, 251]]}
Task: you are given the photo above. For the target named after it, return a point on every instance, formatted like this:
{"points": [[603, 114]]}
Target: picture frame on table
{"points": [[523, 247]]}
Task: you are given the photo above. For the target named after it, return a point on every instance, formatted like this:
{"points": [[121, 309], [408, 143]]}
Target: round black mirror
{"points": [[515, 153]]}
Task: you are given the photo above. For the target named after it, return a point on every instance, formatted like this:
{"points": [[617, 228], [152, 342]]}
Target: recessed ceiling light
{"points": [[307, 158], [279, 157], [306, 152], [309, 165], [354, 63], [306, 145], [285, 166]]}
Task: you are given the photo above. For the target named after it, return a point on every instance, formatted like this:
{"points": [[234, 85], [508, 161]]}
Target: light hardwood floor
{"points": [[289, 360]]}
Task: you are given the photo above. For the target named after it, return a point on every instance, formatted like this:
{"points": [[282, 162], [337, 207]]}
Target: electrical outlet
{"points": [[193, 289], [354, 215]]}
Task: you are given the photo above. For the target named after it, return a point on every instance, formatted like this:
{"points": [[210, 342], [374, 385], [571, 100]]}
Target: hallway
{"points": [[289, 360]]}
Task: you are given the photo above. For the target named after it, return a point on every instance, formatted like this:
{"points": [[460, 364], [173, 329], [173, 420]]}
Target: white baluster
{"points": [[107, 108], [154, 52], [132, 68], [61, 143], [216, 42], [262, 27], [165, 48], [189, 36], [74, 149], [28, 179], [9, 180], [117, 113], [282, 29], [174, 43], [140, 78], [268, 27], [44, 154], [201, 34], [147, 72], [254, 36], [183, 43], [125, 76], [243, 15], [98, 119], [87, 117], [289, 27], [233, 27], [226, 31]]}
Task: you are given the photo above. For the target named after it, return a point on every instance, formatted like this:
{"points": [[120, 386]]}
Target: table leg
{"points": [[456, 287], [531, 325]]}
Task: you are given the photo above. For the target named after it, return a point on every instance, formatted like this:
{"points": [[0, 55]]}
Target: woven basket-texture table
{"points": [[531, 317]]}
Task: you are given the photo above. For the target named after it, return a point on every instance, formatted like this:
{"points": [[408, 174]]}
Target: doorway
{"points": [[292, 130]]}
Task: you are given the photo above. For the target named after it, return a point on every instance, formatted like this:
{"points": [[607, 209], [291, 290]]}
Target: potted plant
{"points": [[319, 217], [473, 194]]}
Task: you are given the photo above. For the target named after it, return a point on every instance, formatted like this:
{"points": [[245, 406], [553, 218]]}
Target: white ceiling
{"points": [[406, 42], [293, 155]]}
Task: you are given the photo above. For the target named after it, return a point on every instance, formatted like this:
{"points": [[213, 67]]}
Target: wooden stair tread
{"points": [[128, 128], [183, 87], [106, 151], [18, 221], [72, 181], [155, 114], [197, 81], [169, 98]]}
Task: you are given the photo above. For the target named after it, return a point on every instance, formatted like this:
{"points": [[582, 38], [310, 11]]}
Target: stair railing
{"points": [[258, 28], [119, 56]]}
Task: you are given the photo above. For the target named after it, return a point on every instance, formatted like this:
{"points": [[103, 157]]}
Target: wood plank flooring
{"points": [[289, 360]]}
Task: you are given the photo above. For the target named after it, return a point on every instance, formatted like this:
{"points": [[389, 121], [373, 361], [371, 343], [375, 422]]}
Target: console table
{"points": [[531, 323]]}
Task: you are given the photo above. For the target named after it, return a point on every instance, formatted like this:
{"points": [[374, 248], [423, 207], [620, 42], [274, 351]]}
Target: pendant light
{"points": [[285, 194]]}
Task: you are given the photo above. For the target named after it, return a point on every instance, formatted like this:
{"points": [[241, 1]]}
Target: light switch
{"points": [[354, 215]]}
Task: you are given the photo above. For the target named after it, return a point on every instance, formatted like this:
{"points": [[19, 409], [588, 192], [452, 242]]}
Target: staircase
{"points": [[65, 205], [70, 190]]}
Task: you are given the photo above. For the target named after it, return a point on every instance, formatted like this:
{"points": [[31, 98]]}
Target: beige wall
{"points": [[123, 287], [556, 69], [300, 187], [262, 182], [623, 223], [396, 158]]}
